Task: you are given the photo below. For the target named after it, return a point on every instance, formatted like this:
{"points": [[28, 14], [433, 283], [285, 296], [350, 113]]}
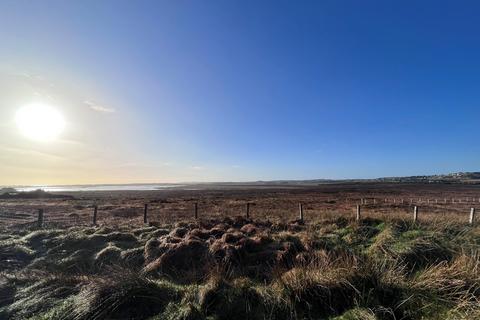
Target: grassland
{"points": [[225, 266], [242, 269]]}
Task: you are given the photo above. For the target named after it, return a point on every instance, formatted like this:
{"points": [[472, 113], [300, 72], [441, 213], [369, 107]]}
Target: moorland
{"points": [[225, 265]]}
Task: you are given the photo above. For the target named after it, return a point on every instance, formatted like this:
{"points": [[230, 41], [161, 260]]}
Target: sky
{"points": [[176, 91]]}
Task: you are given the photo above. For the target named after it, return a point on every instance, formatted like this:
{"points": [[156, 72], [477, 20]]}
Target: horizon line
{"points": [[234, 182]]}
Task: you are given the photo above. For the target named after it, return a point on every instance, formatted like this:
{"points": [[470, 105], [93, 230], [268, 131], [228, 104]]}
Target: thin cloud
{"points": [[98, 108], [198, 168], [29, 153], [143, 165]]}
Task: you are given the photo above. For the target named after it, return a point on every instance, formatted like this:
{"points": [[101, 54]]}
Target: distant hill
{"points": [[7, 193], [458, 177], [7, 190], [451, 178]]}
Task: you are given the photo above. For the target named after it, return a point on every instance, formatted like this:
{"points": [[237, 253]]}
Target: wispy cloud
{"points": [[143, 165], [99, 108], [21, 152], [198, 168]]}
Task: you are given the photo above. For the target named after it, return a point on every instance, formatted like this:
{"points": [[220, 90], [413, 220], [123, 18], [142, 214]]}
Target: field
{"points": [[275, 203], [225, 265]]}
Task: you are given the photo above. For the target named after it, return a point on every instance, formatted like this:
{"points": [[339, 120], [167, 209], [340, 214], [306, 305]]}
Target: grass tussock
{"points": [[241, 269], [130, 296], [455, 283]]}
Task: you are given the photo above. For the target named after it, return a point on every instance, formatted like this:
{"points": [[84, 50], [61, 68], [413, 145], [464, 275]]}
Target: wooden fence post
{"points": [[472, 216], [300, 209], [40, 218], [358, 216], [415, 214], [95, 209], [196, 210], [248, 210], [145, 212]]}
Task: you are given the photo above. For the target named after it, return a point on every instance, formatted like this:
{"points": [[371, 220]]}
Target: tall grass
{"points": [[335, 268]]}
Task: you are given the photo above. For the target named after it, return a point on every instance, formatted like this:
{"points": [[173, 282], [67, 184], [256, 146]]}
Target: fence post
{"points": [[40, 218], [300, 209], [248, 210], [358, 216], [145, 212], [95, 209], [472, 216], [415, 214], [196, 210]]}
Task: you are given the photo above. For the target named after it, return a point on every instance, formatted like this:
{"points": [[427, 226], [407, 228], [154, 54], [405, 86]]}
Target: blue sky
{"points": [[245, 90]]}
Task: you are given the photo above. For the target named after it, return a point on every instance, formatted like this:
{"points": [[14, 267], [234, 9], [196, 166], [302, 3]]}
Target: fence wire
{"points": [[81, 212]]}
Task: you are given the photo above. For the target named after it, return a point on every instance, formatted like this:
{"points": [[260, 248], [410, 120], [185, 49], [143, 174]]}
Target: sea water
{"points": [[100, 187]]}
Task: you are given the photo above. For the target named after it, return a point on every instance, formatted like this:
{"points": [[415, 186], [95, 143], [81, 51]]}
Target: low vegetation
{"points": [[10, 193], [242, 269]]}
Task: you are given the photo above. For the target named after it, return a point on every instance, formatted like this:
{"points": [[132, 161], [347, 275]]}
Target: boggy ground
{"points": [[236, 268], [275, 203]]}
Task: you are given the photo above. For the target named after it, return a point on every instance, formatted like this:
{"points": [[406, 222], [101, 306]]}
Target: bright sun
{"points": [[40, 122]]}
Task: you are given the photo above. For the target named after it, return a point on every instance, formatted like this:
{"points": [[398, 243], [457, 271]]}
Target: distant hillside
{"points": [[458, 177], [11, 193]]}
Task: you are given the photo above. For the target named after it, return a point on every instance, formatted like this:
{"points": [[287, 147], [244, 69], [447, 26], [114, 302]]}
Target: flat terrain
{"points": [[274, 203], [227, 266]]}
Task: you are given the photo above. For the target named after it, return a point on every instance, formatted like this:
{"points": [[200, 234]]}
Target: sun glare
{"points": [[40, 122]]}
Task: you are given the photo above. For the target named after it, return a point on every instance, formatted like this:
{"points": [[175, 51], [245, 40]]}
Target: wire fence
{"points": [[87, 213]]}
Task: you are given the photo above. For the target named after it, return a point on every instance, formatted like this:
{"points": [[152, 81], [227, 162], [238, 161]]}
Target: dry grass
{"points": [[274, 204], [235, 268]]}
